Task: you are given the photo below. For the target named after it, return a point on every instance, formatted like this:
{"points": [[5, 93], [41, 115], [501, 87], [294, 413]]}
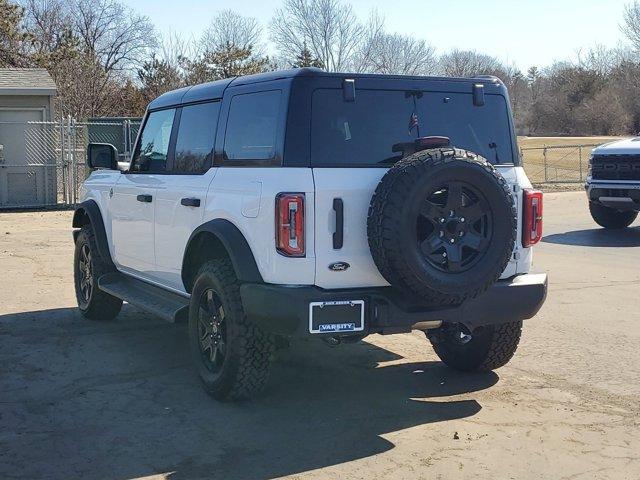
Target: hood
{"points": [[619, 147]]}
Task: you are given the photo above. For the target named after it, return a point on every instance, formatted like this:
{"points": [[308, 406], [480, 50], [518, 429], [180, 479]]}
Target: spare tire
{"points": [[442, 225]]}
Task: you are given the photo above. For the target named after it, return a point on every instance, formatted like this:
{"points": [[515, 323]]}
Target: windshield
{"points": [[364, 132]]}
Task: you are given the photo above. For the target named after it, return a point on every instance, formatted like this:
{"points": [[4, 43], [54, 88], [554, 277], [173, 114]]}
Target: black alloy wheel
{"points": [[85, 273], [212, 331], [454, 227]]}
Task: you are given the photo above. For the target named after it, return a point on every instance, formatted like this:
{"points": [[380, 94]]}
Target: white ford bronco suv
{"points": [[613, 183], [306, 203]]}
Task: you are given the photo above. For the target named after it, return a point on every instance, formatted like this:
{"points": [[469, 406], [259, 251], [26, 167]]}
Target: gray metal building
{"points": [[26, 97]]}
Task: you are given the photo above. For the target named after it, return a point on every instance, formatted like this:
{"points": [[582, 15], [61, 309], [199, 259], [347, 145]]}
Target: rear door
{"points": [[352, 147], [182, 192]]}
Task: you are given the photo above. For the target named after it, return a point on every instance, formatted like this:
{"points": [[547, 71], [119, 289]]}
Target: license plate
{"points": [[342, 316]]}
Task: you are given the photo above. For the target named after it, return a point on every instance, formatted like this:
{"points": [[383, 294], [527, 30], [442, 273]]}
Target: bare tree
{"points": [[117, 37], [174, 48], [468, 63], [231, 28], [329, 28], [631, 23], [49, 25], [364, 57], [400, 54]]}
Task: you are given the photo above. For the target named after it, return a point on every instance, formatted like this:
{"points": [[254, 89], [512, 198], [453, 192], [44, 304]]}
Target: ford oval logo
{"points": [[339, 266]]}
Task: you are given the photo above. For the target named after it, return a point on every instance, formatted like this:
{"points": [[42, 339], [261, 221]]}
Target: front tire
{"points": [[489, 348], [88, 267], [231, 354], [611, 218]]}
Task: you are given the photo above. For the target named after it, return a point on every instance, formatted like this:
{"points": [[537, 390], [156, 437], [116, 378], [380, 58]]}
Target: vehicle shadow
{"points": [[120, 400], [597, 237]]}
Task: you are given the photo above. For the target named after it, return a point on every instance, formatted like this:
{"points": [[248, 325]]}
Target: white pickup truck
{"points": [[613, 183], [306, 203]]}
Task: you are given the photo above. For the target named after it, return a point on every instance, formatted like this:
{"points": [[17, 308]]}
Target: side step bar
{"points": [[155, 300]]}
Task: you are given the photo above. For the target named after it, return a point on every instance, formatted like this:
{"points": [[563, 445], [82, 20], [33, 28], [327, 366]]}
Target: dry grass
{"points": [[566, 164], [539, 142]]}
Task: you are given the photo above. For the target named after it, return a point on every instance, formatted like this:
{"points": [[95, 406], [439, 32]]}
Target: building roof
{"points": [[26, 81]]}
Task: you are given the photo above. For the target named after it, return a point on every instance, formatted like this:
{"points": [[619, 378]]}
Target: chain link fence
{"points": [[557, 163], [42, 164], [45, 166]]}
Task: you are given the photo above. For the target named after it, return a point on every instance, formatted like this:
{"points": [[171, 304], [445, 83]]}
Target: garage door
{"points": [[21, 183]]}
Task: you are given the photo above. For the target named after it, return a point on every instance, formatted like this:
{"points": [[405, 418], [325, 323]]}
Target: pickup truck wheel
{"points": [[88, 267], [231, 354], [611, 218], [442, 225], [489, 348]]}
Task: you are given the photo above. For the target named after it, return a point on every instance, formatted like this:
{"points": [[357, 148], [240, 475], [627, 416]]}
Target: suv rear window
{"points": [[363, 132]]}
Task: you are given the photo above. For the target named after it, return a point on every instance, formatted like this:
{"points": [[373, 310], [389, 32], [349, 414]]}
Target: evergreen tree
{"points": [[306, 59], [225, 61], [12, 37]]}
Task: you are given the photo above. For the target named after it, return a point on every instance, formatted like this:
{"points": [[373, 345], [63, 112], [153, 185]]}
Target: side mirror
{"points": [[102, 155]]}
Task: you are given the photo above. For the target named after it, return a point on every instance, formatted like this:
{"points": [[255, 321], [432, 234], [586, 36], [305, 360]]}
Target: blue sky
{"points": [[521, 32]]}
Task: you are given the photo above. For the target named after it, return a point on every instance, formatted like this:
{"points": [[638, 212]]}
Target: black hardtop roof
{"points": [[215, 90]]}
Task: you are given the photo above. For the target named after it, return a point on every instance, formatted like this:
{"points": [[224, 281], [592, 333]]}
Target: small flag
{"points": [[413, 122]]}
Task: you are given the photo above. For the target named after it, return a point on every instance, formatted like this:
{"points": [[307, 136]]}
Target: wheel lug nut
{"points": [[442, 220], [452, 240], [462, 219], [444, 254], [461, 234], [441, 233]]}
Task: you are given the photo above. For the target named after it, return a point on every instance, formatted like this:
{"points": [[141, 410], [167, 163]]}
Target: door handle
{"points": [[338, 235], [190, 202], [145, 198]]}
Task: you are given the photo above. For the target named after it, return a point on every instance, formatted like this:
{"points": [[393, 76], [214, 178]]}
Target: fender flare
{"points": [[90, 209], [234, 243]]}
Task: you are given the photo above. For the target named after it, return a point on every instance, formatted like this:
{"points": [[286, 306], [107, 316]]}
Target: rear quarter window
{"points": [[252, 126], [363, 132]]}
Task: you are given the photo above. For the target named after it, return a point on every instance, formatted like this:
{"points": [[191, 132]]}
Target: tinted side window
{"points": [[196, 135], [151, 154], [252, 126]]}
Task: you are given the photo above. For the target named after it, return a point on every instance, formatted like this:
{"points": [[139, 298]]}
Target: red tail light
{"points": [[290, 224], [532, 221]]}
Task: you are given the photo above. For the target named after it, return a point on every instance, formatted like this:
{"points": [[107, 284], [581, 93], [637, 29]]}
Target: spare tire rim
{"points": [[454, 227], [212, 331]]}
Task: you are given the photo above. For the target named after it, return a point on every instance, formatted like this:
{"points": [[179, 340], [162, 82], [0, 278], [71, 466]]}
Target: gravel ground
{"points": [[119, 400]]}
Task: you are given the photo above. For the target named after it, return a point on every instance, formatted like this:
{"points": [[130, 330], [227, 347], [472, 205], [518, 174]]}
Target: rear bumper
{"points": [[284, 309]]}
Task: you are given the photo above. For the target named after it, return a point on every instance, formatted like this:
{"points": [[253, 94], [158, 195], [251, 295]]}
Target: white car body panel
{"points": [[246, 197], [175, 222], [132, 223], [355, 186], [148, 240]]}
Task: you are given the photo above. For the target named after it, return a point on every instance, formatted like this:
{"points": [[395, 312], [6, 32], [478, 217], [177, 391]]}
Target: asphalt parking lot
{"points": [[119, 400]]}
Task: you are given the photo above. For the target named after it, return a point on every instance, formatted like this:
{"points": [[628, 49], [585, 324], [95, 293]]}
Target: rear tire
{"points": [[490, 348], [88, 267], [231, 354], [611, 218]]}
